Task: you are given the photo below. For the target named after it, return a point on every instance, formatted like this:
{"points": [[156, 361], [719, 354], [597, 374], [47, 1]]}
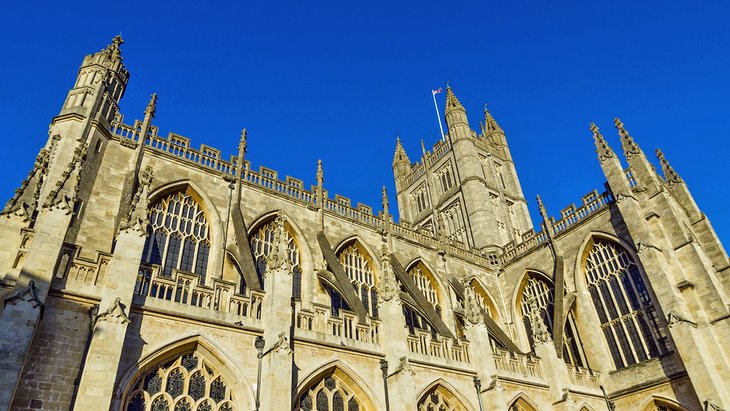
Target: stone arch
{"points": [[645, 329], [439, 288], [214, 357], [586, 407], [344, 377], [210, 211], [521, 402], [440, 392], [655, 401]]}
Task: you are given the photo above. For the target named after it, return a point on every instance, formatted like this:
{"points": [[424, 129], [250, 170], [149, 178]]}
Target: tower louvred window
{"points": [[179, 236], [629, 321]]}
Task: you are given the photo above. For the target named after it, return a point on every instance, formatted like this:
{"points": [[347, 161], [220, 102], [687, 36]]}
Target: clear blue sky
{"points": [[338, 81]]}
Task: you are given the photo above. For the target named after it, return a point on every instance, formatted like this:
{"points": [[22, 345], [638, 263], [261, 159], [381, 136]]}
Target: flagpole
{"points": [[438, 116]]}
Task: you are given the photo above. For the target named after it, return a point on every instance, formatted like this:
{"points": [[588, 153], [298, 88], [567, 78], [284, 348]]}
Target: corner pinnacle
{"points": [[670, 174], [628, 144], [152, 105], [602, 148]]}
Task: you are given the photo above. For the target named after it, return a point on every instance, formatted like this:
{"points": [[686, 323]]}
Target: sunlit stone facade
{"points": [[139, 273]]}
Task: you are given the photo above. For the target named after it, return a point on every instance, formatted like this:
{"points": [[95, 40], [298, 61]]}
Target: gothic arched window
{"points": [[178, 235], [359, 269], [440, 399], [541, 292], [521, 405], [426, 284], [629, 321], [185, 383], [333, 392], [262, 244]]}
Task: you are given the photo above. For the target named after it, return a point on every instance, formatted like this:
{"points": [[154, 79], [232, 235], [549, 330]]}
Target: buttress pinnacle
{"points": [[152, 105], [670, 174], [490, 124], [628, 144], [602, 148]]}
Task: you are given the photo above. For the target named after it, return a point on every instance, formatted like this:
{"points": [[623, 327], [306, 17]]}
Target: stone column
{"points": [[96, 387], [24, 307], [276, 361]]}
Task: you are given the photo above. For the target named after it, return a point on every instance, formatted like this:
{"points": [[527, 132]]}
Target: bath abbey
{"points": [[140, 273]]}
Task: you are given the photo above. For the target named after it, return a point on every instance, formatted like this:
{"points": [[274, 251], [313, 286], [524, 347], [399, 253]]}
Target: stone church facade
{"points": [[139, 273]]}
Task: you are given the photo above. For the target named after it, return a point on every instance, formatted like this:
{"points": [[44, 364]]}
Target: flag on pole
{"points": [[436, 91]]}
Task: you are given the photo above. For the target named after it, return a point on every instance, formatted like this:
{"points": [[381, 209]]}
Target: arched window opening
{"points": [[261, 246], [185, 383], [629, 321], [440, 399], [541, 292], [521, 405], [333, 392], [359, 269], [178, 235], [426, 284]]}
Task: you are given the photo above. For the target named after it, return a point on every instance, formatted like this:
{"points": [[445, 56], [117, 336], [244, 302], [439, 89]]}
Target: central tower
{"points": [[466, 188]]}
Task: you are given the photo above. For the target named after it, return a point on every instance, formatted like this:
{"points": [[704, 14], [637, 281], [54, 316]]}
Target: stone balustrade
{"points": [[584, 377], [345, 325], [517, 365], [185, 288], [422, 342]]}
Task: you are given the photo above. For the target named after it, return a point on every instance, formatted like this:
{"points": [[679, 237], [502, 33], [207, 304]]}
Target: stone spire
{"points": [[151, 109], [385, 201], [400, 153], [490, 124], [452, 102], [602, 148], [669, 173]]}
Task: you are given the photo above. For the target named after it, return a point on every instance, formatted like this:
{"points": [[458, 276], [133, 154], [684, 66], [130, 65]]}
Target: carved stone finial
{"points": [[152, 106], [472, 310], [25, 201], [628, 144], [65, 194], [385, 200], [423, 147], [490, 124], [452, 102], [114, 314], [243, 143], [540, 333], [27, 295], [320, 173], [113, 50], [389, 288], [670, 174], [541, 205], [602, 148]]}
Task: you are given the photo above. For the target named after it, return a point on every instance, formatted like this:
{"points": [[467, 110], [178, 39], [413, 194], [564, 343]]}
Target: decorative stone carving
{"points": [[620, 198], [602, 148], [25, 201], [642, 247], [472, 310], [385, 200], [281, 345], [540, 333], [152, 106], [27, 295], [669, 173], [389, 288], [404, 366], [674, 319], [64, 196], [114, 314], [278, 260], [136, 218]]}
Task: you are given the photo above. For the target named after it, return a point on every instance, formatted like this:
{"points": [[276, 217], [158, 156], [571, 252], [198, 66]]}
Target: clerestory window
{"points": [[359, 269]]}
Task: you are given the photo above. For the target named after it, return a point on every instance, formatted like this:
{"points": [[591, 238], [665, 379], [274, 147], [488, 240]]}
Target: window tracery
{"points": [[261, 246], [425, 283], [330, 393], [629, 321], [190, 384], [542, 293], [454, 221], [421, 198], [439, 399], [359, 269], [178, 235]]}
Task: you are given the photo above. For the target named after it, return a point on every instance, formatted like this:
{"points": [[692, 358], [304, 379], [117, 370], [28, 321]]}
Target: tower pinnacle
{"points": [[490, 124], [152, 105], [400, 153], [602, 148], [452, 103]]}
